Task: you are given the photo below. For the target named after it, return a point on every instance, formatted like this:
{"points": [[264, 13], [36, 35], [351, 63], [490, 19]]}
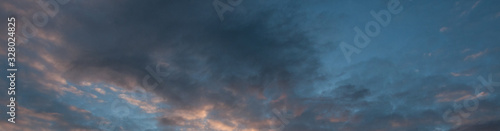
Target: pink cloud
{"points": [[474, 56]]}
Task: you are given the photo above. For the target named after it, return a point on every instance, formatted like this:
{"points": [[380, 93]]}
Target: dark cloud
{"points": [[484, 126]]}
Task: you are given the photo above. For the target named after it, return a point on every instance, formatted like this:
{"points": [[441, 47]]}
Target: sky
{"points": [[254, 65]]}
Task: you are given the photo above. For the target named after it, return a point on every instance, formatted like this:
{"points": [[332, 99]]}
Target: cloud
{"points": [[100, 90], [474, 56], [484, 126], [265, 55], [144, 105]]}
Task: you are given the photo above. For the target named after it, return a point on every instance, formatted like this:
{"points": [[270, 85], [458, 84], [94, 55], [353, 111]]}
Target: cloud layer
{"points": [[269, 65]]}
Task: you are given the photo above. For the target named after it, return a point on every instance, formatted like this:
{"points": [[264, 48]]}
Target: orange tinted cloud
{"points": [[474, 56]]}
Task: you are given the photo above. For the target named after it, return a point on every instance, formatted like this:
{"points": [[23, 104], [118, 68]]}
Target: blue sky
{"points": [[268, 65]]}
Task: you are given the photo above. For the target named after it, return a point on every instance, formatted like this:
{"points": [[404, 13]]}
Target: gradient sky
{"points": [[268, 64]]}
